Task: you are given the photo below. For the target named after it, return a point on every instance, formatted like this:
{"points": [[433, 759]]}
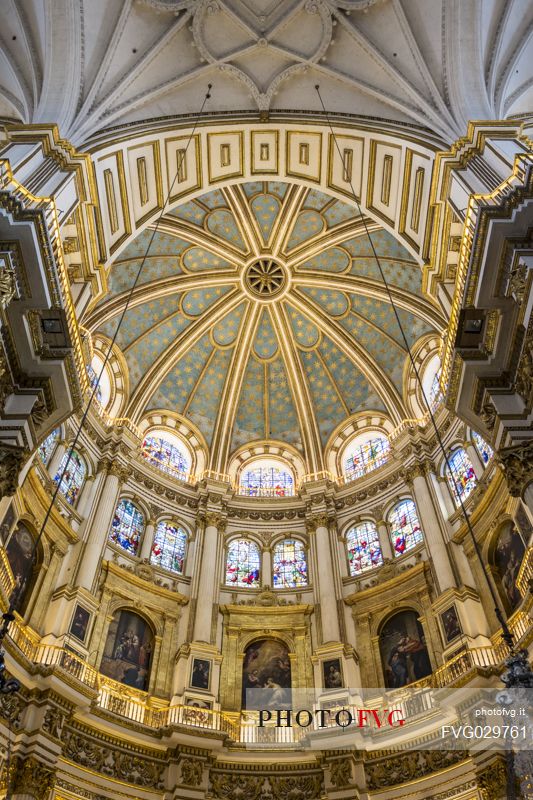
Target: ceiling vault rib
{"points": [[239, 206], [367, 287], [300, 391], [199, 380], [154, 290], [374, 374], [333, 381], [200, 237], [286, 219], [227, 409], [183, 343], [351, 229]]}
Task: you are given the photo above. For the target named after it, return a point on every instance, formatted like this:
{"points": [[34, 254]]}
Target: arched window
{"points": [[127, 526], [93, 381], [364, 549], [405, 528], [242, 563], [366, 453], [435, 394], [267, 478], [485, 451], [100, 378], [431, 383], [461, 475], [47, 447], [168, 453], [72, 481], [168, 548], [289, 565]]}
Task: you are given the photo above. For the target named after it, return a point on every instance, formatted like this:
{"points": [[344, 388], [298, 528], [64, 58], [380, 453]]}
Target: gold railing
{"points": [[525, 574]]}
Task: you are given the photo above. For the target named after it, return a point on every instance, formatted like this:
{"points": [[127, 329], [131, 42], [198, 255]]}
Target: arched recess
{"points": [[391, 173], [365, 421], [115, 374], [129, 648], [425, 354], [403, 651], [195, 444], [505, 552], [25, 565], [279, 451]]}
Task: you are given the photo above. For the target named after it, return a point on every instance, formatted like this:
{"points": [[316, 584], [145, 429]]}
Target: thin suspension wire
{"points": [[17, 593], [507, 635]]}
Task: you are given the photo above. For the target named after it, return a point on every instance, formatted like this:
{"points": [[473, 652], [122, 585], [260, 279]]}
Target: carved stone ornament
{"points": [[488, 415], [493, 780], [232, 786], [524, 372], [319, 521], [8, 283], [191, 772], [341, 773], [12, 460], [32, 777], [53, 722], [404, 767], [517, 465], [215, 520]]}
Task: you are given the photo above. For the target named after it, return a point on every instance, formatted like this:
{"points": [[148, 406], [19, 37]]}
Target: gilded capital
{"points": [[318, 521], [517, 465], [215, 520]]}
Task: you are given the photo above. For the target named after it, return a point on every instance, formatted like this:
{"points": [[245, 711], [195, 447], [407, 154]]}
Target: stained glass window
{"points": [[365, 457], [242, 563], [72, 481], [127, 526], [169, 545], [93, 381], [289, 565], [462, 478], [404, 527], [435, 394], [166, 455], [266, 480], [47, 447], [364, 549], [485, 450]]}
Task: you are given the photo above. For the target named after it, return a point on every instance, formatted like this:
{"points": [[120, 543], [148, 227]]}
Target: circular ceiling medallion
{"points": [[265, 279]]}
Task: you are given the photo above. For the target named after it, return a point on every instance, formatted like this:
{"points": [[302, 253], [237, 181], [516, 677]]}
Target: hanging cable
{"points": [[506, 633], [16, 595]]}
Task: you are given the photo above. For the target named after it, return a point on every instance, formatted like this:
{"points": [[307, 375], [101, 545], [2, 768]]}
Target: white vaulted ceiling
{"points": [[91, 64]]}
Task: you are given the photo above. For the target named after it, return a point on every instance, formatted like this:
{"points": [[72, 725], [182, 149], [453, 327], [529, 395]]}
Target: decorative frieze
{"points": [[517, 465], [403, 767]]}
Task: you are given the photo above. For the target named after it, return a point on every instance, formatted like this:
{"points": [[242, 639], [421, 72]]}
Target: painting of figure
{"points": [[201, 673], [128, 650], [332, 674], [404, 654], [266, 665], [80, 623], [450, 624], [19, 554], [508, 557]]}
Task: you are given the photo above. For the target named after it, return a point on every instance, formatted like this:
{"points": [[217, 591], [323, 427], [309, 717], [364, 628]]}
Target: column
{"points": [[325, 580], [146, 546], [266, 567], [207, 579], [473, 455], [57, 455], [430, 525], [87, 495], [99, 529], [517, 465], [383, 533]]}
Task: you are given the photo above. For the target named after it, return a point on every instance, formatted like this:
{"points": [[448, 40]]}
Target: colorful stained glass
{"points": [[364, 549], [266, 481], [485, 450], [127, 526], [168, 548], [93, 381], [405, 528], [289, 565], [47, 447], [71, 482], [166, 456], [461, 475], [435, 394], [242, 563], [365, 457]]}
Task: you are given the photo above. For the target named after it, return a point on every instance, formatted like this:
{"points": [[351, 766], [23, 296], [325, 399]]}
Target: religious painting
{"points": [[523, 523], [508, 556], [19, 553], [332, 674], [450, 624], [201, 673], [267, 665], [404, 655], [128, 650], [80, 623]]}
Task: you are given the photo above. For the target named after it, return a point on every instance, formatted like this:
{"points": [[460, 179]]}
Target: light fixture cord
{"points": [[506, 633], [16, 595]]}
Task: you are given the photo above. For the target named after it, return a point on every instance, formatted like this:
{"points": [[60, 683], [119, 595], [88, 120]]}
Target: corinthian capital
{"points": [[317, 521], [215, 520], [517, 465]]}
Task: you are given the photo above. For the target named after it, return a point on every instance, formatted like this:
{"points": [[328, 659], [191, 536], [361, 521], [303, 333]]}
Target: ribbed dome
{"points": [[260, 310]]}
